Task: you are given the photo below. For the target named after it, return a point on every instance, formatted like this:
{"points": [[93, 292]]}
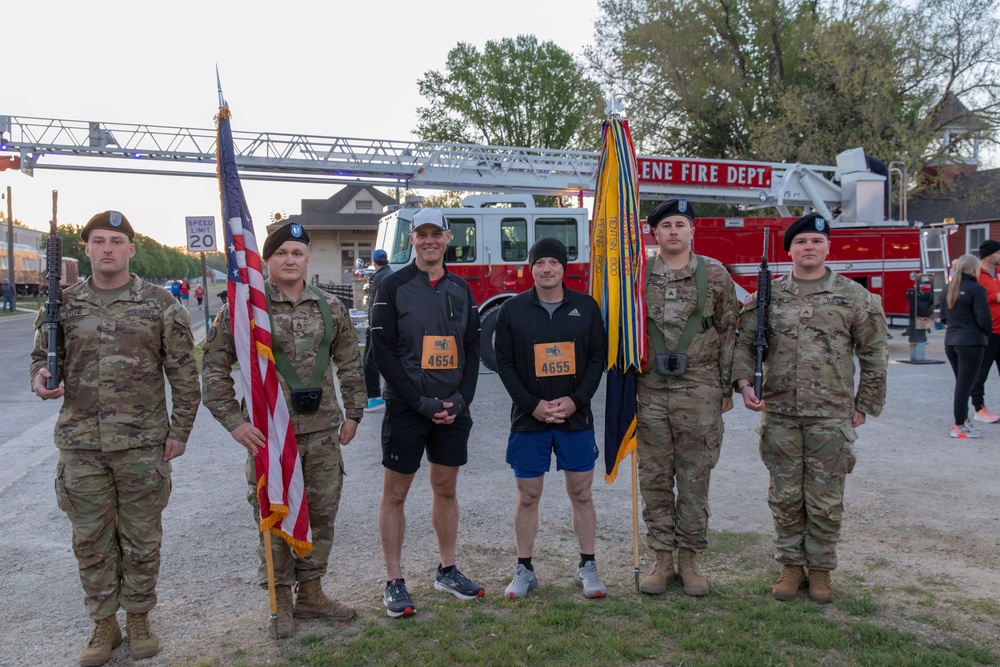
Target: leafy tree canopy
{"points": [[153, 261], [798, 81], [516, 92]]}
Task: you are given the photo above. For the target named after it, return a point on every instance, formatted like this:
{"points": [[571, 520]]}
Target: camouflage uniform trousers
{"points": [[808, 459], [114, 501], [323, 477], [679, 439]]}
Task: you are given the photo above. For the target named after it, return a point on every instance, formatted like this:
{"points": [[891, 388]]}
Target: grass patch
{"points": [[23, 304], [978, 606], [737, 624]]}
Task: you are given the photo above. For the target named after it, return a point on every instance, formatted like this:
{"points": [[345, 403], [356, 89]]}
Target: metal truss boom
{"points": [[49, 143]]}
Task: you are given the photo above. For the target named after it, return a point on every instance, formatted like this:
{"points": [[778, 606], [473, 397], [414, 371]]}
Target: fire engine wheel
{"points": [[487, 325]]}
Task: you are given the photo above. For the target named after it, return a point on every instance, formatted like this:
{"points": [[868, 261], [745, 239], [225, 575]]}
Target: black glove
{"points": [[458, 404], [429, 407]]}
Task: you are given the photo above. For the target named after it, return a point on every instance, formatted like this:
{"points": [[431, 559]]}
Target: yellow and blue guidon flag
{"points": [[617, 274]]}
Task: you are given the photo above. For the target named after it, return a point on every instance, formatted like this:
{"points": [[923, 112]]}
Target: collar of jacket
{"points": [[787, 282], [86, 293], [427, 275], [277, 295], [534, 294], [660, 267]]}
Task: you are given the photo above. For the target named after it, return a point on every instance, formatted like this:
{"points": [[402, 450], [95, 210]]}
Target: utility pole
{"points": [[10, 247], [204, 289]]}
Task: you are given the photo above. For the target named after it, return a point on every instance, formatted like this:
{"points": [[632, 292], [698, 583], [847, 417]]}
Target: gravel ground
{"points": [[919, 504]]}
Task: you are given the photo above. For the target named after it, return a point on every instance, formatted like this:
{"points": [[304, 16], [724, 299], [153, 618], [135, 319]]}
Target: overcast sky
{"points": [[346, 69]]}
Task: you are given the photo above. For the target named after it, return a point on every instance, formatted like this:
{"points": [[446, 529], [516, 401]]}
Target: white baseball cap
{"points": [[429, 216]]}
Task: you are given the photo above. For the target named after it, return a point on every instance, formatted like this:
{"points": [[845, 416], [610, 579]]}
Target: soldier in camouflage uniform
{"points": [[680, 416], [299, 328], [818, 320], [115, 435]]}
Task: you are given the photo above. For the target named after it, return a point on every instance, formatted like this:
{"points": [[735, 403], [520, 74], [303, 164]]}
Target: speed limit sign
{"points": [[201, 233]]}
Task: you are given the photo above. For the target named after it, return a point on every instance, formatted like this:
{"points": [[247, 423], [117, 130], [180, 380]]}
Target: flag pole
{"points": [[635, 518], [268, 556], [269, 560]]}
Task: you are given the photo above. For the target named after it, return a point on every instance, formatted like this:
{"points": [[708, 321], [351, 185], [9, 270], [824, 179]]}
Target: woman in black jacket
{"points": [[969, 327]]}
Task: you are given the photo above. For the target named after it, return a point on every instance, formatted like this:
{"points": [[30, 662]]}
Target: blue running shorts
{"points": [[529, 453]]}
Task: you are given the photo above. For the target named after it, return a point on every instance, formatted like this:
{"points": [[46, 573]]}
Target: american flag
{"points": [[280, 486]]}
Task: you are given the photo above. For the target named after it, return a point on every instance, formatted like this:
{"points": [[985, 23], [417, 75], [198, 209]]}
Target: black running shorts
{"points": [[406, 434]]}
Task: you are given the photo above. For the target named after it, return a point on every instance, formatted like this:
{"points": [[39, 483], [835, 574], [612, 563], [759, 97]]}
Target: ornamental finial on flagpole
{"points": [[614, 107], [222, 102]]}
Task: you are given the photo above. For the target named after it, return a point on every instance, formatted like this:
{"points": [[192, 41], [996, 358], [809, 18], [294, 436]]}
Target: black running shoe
{"points": [[397, 601], [458, 585]]}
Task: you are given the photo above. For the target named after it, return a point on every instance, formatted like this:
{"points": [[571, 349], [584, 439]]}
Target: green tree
{"points": [[798, 80], [72, 246], [854, 86], [153, 260], [516, 92], [216, 260], [696, 75]]}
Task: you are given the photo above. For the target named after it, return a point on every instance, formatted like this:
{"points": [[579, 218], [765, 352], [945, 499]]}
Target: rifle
{"points": [[53, 272], [763, 301]]}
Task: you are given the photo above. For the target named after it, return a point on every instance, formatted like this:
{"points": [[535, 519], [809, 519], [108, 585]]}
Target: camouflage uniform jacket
{"points": [[113, 359], [670, 299], [809, 367], [299, 329]]}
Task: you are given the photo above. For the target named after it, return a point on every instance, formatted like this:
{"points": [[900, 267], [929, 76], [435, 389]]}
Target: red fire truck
{"points": [[491, 233], [883, 259]]}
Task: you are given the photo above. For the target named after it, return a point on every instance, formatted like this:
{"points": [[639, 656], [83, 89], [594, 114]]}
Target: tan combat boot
{"points": [[694, 584], [312, 602], [661, 576], [105, 638], [286, 621], [820, 590], [792, 579], [142, 641]]}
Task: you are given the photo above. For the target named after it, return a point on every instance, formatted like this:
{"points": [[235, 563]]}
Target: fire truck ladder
{"points": [[934, 255], [48, 143]]}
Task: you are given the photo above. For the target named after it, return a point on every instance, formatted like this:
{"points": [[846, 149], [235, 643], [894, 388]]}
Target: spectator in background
{"points": [[989, 259], [373, 382], [969, 326], [7, 292]]}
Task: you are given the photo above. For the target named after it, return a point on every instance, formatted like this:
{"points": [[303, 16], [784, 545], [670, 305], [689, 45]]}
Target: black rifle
{"points": [[763, 301], [53, 320]]}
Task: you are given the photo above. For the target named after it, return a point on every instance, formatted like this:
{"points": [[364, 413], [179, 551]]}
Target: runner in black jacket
{"points": [[551, 350], [425, 326], [521, 324]]}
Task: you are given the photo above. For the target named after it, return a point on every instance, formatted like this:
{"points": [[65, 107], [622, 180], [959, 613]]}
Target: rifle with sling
{"points": [[763, 301], [52, 319]]}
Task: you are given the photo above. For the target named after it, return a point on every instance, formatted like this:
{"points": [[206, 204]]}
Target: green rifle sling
{"points": [[281, 361], [695, 323]]}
